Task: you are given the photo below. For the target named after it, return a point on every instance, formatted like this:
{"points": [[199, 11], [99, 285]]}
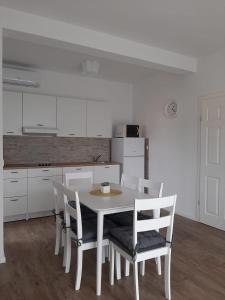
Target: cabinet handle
{"points": [[9, 131], [40, 125], [99, 134], [72, 134], [107, 167], [14, 181], [45, 179], [14, 172], [14, 200], [78, 169], [45, 170]]}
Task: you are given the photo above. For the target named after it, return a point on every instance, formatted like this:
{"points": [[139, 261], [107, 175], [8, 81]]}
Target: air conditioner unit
{"points": [[21, 77]]}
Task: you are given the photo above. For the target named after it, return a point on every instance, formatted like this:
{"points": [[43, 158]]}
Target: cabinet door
{"points": [[71, 117], [99, 119], [40, 193], [15, 206], [39, 110], [12, 113], [110, 173]]}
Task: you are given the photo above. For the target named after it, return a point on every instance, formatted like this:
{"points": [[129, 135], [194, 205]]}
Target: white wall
{"points": [[119, 95], [174, 142]]}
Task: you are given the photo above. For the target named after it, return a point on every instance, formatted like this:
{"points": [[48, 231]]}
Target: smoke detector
{"points": [[90, 68]]}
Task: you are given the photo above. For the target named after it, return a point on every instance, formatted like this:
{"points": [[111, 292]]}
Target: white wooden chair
{"points": [[130, 182], [153, 189], [59, 216], [77, 232], [80, 180], [149, 243]]}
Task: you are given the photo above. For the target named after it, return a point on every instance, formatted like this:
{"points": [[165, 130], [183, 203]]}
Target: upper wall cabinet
{"points": [[71, 117], [39, 110], [12, 113], [99, 119]]}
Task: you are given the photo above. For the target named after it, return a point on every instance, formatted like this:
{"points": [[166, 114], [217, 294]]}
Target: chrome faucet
{"points": [[97, 157]]}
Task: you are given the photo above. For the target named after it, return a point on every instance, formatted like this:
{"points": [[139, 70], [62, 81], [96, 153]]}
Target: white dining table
{"points": [[104, 206]]}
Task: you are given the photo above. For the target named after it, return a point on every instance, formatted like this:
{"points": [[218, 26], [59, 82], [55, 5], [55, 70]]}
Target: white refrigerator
{"points": [[130, 153]]}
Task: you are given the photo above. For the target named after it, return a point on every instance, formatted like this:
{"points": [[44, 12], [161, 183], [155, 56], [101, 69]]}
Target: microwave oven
{"points": [[126, 130]]}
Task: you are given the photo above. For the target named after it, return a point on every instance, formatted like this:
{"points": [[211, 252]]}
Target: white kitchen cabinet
{"points": [[15, 207], [71, 117], [12, 113], [77, 170], [110, 173], [39, 110], [99, 119], [15, 194], [40, 194]]}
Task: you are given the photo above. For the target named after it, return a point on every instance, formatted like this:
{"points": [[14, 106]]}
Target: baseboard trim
{"points": [[187, 216], [2, 260]]}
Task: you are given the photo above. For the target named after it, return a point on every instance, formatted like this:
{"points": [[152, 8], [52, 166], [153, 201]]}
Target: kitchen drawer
{"points": [[39, 172], [15, 187], [15, 206], [15, 173], [77, 169]]}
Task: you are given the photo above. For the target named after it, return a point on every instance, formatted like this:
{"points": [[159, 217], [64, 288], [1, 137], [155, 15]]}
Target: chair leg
{"points": [[112, 262], [158, 265], [63, 238], [142, 268], [64, 251], [136, 287], [127, 268], [118, 266], [57, 237], [68, 251], [79, 268], [103, 254], [167, 275]]}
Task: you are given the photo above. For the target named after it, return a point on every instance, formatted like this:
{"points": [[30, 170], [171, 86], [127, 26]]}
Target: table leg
{"points": [[99, 252]]}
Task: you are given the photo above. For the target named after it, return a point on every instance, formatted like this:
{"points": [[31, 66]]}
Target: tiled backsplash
{"points": [[28, 150]]}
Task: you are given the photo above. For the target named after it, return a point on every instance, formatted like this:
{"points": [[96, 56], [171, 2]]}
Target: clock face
{"points": [[171, 109]]}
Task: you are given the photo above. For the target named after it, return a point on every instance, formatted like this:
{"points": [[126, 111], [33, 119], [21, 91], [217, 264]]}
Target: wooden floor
{"points": [[33, 272]]}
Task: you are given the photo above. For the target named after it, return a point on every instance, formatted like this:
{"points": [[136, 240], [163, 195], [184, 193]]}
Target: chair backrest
{"points": [[168, 203], [130, 182], [58, 196], [72, 211], [150, 187], [81, 180]]}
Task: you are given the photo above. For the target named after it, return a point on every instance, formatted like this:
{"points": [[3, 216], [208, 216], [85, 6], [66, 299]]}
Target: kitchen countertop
{"points": [[58, 165]]}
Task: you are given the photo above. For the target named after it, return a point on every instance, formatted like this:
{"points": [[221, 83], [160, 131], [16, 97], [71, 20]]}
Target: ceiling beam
{"points": [[94, 42]]}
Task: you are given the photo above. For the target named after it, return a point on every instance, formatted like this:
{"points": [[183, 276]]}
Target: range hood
{"points": [[40, 130]]}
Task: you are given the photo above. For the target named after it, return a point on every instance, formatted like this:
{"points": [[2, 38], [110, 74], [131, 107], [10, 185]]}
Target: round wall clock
{"points": [[171, 109]]}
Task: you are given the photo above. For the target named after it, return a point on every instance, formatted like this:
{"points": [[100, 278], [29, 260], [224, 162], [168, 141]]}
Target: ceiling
{"points": [[41, 56], [190, 27]]}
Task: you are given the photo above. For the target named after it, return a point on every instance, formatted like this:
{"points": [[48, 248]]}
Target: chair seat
{"points": [[126, 218], [148, 240], [89, 228]]}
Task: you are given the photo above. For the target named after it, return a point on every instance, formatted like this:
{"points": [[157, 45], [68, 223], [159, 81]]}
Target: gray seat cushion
{"points": [[148, 240], [126, 218], [89, 227]]}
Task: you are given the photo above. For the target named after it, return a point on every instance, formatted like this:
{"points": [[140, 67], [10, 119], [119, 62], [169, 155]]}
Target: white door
{"points": [[212, 171], [39, 110], [134, 146], [134, 166], [12, 113], [71, 117], [99, 119]]}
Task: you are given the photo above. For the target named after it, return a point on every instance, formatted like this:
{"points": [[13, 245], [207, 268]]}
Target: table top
{"points": [[110, 204]]}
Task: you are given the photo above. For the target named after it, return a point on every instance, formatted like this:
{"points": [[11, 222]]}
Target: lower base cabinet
{"points": [[15, 206], [40, 194]]}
